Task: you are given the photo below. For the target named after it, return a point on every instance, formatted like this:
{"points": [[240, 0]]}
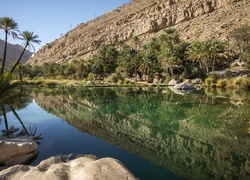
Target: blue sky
{"points": [[50, 19]]}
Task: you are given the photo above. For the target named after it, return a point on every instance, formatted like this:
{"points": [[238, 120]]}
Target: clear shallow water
{"points": [[155, 133]]}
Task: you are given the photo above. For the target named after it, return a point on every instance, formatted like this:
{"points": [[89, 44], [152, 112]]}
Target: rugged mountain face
{"points": [[194, 19], [13, 53]]}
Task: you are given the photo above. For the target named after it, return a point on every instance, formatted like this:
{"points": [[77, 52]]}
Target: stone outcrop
{"points": [[60, 168], [194, 19]]}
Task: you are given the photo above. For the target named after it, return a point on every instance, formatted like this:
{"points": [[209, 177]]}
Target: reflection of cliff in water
{"points": [[196, 136]]}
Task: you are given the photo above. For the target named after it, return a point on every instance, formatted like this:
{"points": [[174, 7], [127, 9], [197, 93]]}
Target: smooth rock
{"points": [[17, 150], [57, 168], [173, 82]]}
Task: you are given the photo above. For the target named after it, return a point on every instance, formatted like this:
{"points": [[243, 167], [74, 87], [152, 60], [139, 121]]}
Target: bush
{"points": [[243, 83], [209, 81], [120, 81], [221, 83], [91, 77], [126, 81]]}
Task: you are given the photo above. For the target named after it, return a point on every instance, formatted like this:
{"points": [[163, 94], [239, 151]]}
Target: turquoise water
{"points": [[155, 132]]}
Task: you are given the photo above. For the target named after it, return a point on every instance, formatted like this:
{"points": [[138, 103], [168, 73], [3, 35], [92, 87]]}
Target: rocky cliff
{"points": [[194, 19]]}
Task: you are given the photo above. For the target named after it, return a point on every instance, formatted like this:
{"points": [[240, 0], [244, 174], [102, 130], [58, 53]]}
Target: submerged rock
{"points": [[180, 91], [62, 168]]}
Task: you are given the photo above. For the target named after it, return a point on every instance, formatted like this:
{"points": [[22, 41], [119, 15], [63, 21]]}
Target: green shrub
{"points": [[120, 81], [209, 81], [242, 83], [126, 81], [221, 83], [91, 77]]}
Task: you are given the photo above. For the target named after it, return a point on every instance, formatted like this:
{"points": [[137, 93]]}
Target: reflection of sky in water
{"points": [[61, 138]]}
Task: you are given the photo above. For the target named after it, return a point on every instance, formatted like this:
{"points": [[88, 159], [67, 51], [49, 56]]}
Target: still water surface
{"points": [[155, 132]]}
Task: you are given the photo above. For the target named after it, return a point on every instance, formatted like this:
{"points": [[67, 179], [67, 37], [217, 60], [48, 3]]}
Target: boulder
{"points": [[196, 81], [85, 167], [73, 84], [90, 83], [173, 82], [17, 150]]}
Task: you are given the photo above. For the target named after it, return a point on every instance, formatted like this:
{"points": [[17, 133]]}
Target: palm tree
{"points": [[206, 52], [197, 52], [9, 26], [137, 42], [216, 50], [28, 38], [170, 37], [171, 57], [128, 60], [149, 59]]}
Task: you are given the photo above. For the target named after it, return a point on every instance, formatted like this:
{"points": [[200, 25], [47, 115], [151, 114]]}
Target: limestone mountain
{"points": [[13, 53], [194, 20]]}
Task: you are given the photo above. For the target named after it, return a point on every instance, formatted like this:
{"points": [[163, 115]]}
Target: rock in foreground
{"points": [[60, 168], [17, 150]]}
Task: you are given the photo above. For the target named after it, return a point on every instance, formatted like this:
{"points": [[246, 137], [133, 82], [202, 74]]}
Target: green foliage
{"points": [[242, 83], [91, 77], [206, 53], [10, 27], [222, 83], [209, 81]]}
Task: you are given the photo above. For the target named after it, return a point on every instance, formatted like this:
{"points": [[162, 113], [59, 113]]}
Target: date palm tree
{"points": [[170, 37], [28, 38], [197, 52], [9, 26], [149, 60], [216, 51], [206, 53]]}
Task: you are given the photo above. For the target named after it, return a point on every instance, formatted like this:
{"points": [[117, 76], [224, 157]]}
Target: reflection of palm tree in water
{"points": [[13, 97], [9, 132]]}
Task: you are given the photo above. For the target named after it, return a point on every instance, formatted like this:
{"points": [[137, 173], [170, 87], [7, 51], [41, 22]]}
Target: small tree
{"points": [[9, 26], [28, 38]]}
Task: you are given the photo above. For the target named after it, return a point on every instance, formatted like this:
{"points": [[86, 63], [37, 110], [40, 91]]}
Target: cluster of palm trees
{"points": [[166, 53], [11, 96], [10, 27], [8, 91]]}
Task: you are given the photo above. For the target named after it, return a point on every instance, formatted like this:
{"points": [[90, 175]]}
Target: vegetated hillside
{"points": [[13, 53], [194, 19]]}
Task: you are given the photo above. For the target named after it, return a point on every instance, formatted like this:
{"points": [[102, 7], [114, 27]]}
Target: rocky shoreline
{"points": [[16, 152]]}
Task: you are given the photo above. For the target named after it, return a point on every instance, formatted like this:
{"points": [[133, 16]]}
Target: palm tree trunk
{"points": [[5, 52], [5, 118], [135, 73], [20, 76], [213, 64], [148, 74], [17, 62], [19, 119]]}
